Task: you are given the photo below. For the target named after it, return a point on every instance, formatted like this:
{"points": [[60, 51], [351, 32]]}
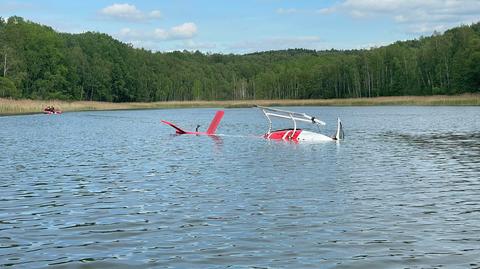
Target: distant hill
{"points": [[44, 64]]}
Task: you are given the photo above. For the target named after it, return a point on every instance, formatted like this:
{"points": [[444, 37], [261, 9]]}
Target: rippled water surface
{"points": [[117, 189]]}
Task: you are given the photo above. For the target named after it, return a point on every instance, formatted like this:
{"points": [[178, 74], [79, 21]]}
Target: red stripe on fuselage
{"points": [[283, 134]]}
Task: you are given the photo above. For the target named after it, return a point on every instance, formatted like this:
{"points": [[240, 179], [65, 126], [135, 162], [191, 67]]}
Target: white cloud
{"points": [[161, 34], [128, 12], [290, 11], [155, 14], [125, 31], [287, 10], [367, 7], [180, 45], [426, 28], [279, 43], [413, 15], [325, 10], [128, 32], [183, 31], [148, 45], [192, 45]]}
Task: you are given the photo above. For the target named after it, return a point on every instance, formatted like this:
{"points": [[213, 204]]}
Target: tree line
{"points": [[39, 63]]}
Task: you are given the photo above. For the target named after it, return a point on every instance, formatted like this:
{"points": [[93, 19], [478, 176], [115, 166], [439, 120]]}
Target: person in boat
{"points": [[50, 109]]}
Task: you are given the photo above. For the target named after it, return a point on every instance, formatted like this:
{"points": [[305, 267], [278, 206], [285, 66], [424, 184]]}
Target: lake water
{"points": [[116, 189]]}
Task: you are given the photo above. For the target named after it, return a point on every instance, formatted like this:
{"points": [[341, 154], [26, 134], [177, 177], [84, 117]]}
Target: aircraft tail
{"points": [[215, 122], [339, 135]]}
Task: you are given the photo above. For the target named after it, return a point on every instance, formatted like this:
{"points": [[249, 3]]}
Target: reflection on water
{"points": [[118, 190]]}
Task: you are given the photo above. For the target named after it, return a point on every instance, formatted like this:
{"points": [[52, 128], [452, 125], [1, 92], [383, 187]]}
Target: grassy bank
{"points": [[13, 107]]}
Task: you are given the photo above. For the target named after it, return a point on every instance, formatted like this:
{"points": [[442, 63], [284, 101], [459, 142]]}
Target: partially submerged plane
{"points": [[296, 134], [292, 134]]}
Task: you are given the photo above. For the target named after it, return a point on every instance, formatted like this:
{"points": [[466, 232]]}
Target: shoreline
{"points": [[26, 106]]}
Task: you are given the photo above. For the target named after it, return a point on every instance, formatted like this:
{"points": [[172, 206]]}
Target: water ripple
{"points": [[117, 190]]}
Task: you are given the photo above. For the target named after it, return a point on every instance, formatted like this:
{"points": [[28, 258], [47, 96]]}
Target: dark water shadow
{"points": [[461, 147]]}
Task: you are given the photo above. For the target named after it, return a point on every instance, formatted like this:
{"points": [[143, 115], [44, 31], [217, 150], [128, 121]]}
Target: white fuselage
{"points": [[308, 136]]}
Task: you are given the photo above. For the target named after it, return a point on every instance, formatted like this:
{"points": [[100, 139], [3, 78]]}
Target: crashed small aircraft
{"points": [[291, 134]]}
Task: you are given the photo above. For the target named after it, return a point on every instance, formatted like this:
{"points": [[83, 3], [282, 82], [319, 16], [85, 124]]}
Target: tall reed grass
{"points": [[25, 106]]}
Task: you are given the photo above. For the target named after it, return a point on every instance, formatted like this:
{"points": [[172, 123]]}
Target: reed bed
{"points": [[25, 106]]}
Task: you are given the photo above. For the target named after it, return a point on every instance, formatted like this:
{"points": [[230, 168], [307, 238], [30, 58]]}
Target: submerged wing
{"points": [[179, 130]]}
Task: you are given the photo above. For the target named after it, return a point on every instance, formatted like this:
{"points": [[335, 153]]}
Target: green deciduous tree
{"points": [[42, 63], [8, 89]]}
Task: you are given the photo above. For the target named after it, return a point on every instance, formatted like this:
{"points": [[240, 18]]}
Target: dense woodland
{"points": [[40, 63]]}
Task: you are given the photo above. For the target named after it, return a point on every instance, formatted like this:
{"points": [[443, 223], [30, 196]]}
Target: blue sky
{"points": [[245, 26]]}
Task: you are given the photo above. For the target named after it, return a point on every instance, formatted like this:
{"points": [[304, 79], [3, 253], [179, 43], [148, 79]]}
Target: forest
{"points": [[38, 62]]}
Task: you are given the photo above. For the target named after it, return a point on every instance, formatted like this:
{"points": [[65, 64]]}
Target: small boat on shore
{"points": [[51, 110]]}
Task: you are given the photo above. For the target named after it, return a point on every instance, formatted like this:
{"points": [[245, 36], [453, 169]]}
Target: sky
{"points": [[244, 26]]}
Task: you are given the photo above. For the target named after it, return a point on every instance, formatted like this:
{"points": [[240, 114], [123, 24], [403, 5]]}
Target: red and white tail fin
{"points": [[215, 122]]}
